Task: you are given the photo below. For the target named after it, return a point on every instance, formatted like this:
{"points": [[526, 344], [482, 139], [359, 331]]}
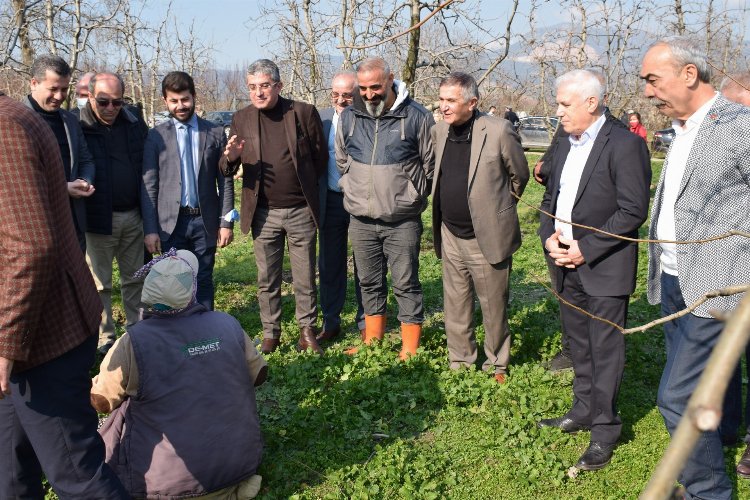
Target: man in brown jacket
{"points": [[479, 165], [49, 315], [282, 150]]}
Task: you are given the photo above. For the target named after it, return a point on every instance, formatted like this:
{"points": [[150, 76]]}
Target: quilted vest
{"points": [[193, 427]]}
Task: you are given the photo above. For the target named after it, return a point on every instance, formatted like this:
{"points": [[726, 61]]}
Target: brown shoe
{"points": [[327, 335], [307, 340], [269, 345], [743, 466]]}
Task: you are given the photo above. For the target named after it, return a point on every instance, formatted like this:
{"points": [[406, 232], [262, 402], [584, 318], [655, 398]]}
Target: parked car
{"points": [[537, 131], [223, 118], [662, 140]]}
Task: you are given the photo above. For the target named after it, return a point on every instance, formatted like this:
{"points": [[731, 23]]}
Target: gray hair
{"points": [[52, 63], [685, 51], [265, 67], [741, 81], [97, 76], [586, 82], [347, 73], [464, 81], [372, 63]]}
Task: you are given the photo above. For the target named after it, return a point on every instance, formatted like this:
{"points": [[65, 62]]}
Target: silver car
{"points": [[537, 131]]}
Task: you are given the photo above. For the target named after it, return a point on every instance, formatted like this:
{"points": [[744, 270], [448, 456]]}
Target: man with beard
{"points": [[703, 192], [384, 153], [285, 156], [186, 197], [115, 138], [50, 78]]}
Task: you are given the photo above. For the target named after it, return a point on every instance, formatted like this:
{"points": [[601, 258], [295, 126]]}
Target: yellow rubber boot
{"points": [[374, 329], [410, 334]]}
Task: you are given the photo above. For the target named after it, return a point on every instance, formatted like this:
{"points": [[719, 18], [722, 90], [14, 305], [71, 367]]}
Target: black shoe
{"points": [[563, 423], [561, 362], [596, 456]]}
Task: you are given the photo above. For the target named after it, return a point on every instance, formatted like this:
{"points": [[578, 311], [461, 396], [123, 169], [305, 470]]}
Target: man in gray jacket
{"points": [[384, 153]]}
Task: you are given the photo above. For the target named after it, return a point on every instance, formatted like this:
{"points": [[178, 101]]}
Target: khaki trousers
{"points": [[126, 245], [465, 272]]}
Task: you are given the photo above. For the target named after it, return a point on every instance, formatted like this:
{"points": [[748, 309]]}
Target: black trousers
{"points": [[598, 352], [47, 425]]}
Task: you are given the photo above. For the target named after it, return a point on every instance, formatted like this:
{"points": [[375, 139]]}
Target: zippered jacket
{"points": [[386, 163]]}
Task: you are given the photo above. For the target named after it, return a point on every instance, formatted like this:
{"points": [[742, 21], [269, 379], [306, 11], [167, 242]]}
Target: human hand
{"points": [[573, 257], [6, 367], [80, 188], [234, 148], [226, 236], [152, 242]]}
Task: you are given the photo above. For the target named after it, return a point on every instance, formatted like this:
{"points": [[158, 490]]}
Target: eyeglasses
{"points": [[345, 96], [263, 86], [116, 103]]}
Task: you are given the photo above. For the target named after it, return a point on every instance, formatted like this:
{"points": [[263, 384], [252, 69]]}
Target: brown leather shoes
{"points": [[743, 466], [307, 340], [269, 345], [328, 335]]}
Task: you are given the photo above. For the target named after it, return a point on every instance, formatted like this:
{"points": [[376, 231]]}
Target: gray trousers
{"points": [[379, 246], [126, 245], [271, 228], [465, 271]]}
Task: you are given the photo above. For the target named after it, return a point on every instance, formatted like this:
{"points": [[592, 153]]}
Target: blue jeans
{"points": [[47, 425], [379, 246], [190, 234], [689, 341]]}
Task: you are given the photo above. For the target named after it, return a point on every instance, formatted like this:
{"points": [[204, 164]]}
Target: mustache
{"points": [[657, 102]]}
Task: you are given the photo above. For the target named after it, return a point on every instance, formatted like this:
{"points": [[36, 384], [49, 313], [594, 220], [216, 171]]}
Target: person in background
{"points": [[50, 313], [636, 126], [116, 139], [492, 111], [512, 117], [334, 220], [172, 434], [735, 88]]}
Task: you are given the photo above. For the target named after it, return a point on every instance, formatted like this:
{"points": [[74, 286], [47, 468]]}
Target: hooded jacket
{"points": [[386, 162]]}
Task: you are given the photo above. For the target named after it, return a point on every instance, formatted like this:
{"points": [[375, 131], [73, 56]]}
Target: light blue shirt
{"points": [[185, 196], [333, 171]]}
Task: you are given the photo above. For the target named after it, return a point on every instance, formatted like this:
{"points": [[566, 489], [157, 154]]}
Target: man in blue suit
{"points": [[186, 197], [334, 219]]}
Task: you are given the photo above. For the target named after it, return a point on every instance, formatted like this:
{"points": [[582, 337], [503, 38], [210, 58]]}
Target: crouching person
{"points": [[179, 385]]}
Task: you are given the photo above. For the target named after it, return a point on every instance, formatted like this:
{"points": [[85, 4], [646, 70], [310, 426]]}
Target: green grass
{"points": [[370, 426]]}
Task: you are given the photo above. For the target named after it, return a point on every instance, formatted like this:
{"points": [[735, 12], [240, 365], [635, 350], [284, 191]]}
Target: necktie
{"points": [[188, 171]]}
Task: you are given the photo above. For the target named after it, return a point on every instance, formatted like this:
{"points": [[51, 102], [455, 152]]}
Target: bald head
{"points": [[735, 88], [343, 86], [105, 96]]}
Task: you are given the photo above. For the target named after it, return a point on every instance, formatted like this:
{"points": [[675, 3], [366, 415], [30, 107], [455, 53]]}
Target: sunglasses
{"points": [[116, 103]]}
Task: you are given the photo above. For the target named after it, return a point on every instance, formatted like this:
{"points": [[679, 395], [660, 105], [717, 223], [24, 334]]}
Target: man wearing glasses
{"points": [[50, 79], [116, 139], [282, 150], [334, 219]]}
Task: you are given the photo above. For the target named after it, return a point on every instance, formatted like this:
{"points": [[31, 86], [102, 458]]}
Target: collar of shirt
{"points": [[193, 122], [695, 119], [589, 134]]}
